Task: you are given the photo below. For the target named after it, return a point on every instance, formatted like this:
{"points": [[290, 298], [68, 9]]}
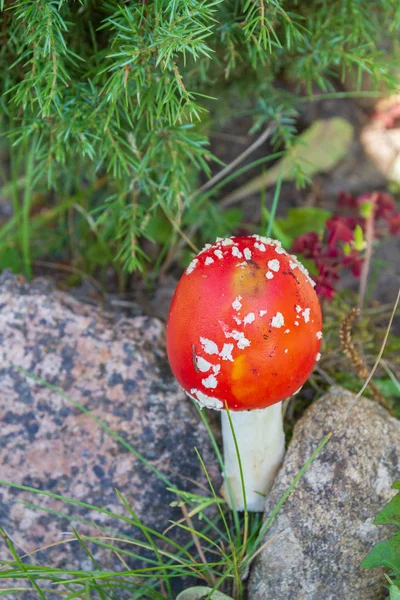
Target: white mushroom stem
{"points": [[261, 442]]}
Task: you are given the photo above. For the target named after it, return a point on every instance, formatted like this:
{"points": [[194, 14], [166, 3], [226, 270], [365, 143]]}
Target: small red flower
{"points": [[354, 261], [394, 224], [307, 244], [335, 250], [338, 231], [385, 206]]}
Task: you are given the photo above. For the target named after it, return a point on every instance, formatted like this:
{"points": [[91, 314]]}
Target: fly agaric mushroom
{"points": [[244, 332]]}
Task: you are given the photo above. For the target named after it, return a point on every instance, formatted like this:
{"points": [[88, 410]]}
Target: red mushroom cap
{"points": [[244, 327]]}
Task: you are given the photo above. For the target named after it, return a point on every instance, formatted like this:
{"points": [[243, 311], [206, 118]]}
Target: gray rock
{"points": [[324, 530], [116, 367]]}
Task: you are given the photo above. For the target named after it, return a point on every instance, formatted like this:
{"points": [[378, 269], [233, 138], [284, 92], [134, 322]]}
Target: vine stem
{"points": [[369, 238]]}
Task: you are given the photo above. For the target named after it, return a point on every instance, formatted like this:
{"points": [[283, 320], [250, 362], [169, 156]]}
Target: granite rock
{"points": [[317, 541], [116, 368]]}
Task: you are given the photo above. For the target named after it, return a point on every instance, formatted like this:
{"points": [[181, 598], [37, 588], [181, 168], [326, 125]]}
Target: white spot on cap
{"points": [[242, 341], [247, 253], [296, 323], [298, 308], [286, 351], [206, 401], [302, 268], [319, 335], [262, 313], [293, 265], [242, 264], [249, 318], [280, 250], [318, 356], [237, 320], [236, 304], [226, 352], [209, 346], [306, 315], [268, 241], [236, 252], [274, 265], [287, 331], [259, 246], [192, 266], [227, 242], [206, 247], [269, 275], [210, 382], [208, 260], [218, 254], [202, 364], [216, 369], [278, 320]]}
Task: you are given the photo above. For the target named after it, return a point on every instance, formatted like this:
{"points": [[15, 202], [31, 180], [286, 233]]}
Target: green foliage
{"points": [[388, 387], [302, 220], [394, 591], [116, 94], [387, 553]]}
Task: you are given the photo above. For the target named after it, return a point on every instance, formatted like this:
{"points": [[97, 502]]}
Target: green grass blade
{"points": [[102, 594], [148, 537], [275, 202], [22, 566], [65, 499], [232, 545], [222, 465]]}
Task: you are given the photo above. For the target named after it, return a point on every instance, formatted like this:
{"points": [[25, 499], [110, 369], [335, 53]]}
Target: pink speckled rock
{"points": [[114, 366]]}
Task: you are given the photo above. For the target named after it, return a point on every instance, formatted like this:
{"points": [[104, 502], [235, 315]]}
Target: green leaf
{"points": [[387, 552], [304, 219], [346, 249], [359, 242], [384, 554], [390, 514], [201, 593], [394, 592], [388, 387]]}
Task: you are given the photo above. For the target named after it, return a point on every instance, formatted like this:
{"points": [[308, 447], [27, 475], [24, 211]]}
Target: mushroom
{"points": [[243, 333]]}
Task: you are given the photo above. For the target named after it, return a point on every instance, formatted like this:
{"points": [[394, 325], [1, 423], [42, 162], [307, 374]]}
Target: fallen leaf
{"points": [[317, 150]]}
